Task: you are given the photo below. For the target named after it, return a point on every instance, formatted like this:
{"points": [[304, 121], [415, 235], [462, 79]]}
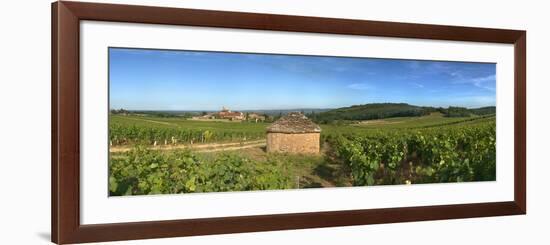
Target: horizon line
{"points": [[295, 108]]}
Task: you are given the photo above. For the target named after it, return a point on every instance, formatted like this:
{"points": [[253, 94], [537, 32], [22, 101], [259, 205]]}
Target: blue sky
{"points": [[143, 79]]}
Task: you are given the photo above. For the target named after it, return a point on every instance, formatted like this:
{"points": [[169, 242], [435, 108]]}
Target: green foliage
{"points": [[453, 111], [484, 110], [370, 111], [143, 171], [432, 155], [429, 149], [119, 111], [456, 112], [133, 130], [392, 110]]}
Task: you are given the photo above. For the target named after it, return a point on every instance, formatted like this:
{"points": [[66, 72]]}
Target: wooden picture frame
{"points": [[65, 169]]}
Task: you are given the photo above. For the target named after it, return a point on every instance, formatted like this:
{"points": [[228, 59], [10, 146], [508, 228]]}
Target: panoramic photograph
{"points": [[203, 121]]}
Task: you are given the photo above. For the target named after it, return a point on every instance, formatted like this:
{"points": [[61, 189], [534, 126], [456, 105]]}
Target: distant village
{"points": [[227, 114]]}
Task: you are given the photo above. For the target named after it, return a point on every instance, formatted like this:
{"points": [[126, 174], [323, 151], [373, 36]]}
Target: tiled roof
{"points": [[294, 122]]}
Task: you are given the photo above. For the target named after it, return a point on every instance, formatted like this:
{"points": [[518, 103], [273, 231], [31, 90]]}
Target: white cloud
{"points": [[484, 79], [359, 86], [485, 82], [418, 85]]}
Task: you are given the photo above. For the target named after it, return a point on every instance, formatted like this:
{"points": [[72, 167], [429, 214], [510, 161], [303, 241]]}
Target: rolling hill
{"points": [[389, 110], [371, 111]]}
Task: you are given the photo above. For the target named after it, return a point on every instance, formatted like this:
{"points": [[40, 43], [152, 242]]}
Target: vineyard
{"points": [[144, 131], [408, 150], [432, 155], [143, 171]]}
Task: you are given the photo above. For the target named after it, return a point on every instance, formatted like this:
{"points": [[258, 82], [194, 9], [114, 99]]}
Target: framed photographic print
{"points": [[177, 122]]}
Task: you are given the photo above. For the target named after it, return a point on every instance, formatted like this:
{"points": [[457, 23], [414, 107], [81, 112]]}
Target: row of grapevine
{"points": [[433, 155], [123, 135], [142, 171]]}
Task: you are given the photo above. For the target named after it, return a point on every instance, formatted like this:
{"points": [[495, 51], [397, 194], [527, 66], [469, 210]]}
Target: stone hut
{"points": [[293, 133]]}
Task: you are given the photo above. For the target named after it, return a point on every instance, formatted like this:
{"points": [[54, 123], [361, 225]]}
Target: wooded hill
{"points": [[389, 110]]}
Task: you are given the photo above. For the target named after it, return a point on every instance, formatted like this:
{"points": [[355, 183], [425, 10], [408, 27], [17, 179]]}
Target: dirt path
{"points": [[233, 148], [212, 147]]}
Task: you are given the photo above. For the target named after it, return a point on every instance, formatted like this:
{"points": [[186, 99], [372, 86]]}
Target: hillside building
{"points": [[225, 113], [293, 133]]}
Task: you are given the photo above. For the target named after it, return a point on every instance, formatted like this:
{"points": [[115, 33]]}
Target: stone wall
{"points": [[293, 143]]}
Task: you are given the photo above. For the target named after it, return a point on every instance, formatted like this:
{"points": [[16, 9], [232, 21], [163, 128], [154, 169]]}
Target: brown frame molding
{"points": [[66, 227]]}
